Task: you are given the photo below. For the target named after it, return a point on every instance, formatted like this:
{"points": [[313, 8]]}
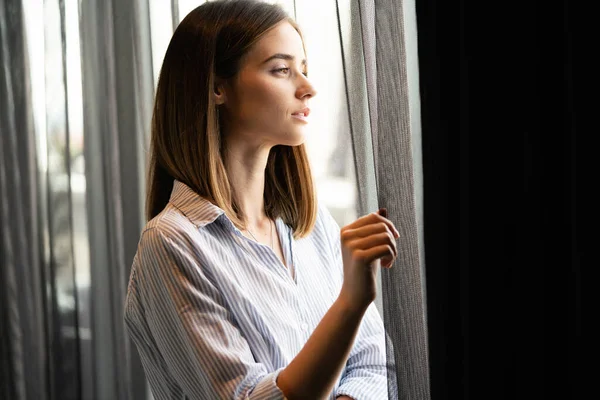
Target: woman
{"points": [[242, 286]]}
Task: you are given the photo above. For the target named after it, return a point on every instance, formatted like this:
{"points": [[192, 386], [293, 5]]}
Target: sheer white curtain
{"points": [[22, 306], [81, 70]]}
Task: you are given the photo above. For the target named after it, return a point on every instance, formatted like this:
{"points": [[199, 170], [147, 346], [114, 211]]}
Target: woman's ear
{"points": [[219, 93]]}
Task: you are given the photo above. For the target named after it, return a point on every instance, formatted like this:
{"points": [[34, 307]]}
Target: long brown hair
{"points": [[186, 142]]}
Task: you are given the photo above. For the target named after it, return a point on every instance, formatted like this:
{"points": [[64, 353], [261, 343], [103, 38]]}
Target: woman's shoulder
{"points": [[169, 225], [170, 240], [326, 220], [326, 229]]}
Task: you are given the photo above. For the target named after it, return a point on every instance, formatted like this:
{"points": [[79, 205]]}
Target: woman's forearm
{"points": [[312, 373]]}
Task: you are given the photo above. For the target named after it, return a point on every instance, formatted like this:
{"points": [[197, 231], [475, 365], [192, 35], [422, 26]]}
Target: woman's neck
{"points": [[246, 170]]}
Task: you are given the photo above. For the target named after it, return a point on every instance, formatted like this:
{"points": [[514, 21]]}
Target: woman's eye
{"points": [[282, 70]]}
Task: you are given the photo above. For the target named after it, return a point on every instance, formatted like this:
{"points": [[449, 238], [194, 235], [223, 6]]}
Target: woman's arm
{"points": [[365, 374], [366, 371], [313, 372]]}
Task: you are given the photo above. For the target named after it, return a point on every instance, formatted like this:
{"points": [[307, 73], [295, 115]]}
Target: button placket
{"points": [[253, 249], [299, 295], [303, 315], [292, 258]]}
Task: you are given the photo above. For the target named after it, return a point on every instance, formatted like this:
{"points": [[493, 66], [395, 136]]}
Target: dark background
{"points": [[508, 106]]}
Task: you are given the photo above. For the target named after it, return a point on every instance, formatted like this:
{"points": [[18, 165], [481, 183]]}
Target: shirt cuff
{"points": [[267, 388], [361, 388]]}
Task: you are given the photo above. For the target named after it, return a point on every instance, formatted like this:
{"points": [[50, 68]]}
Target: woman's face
{"points": [[266, 103]]}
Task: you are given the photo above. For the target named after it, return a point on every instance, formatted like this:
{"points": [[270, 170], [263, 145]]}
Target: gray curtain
{"points": [[404, 303], [384, 127], [68, 208], [117, 95], [23, 355]]}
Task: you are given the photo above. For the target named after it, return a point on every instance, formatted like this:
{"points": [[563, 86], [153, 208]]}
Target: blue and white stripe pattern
{"points": [[215, 315]]}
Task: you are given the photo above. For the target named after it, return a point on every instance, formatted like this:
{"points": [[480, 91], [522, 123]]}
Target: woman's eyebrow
{"points": [[283, 57]]}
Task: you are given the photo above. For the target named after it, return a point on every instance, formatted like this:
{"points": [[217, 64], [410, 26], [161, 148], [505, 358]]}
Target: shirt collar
{"points": [[202, 212], [196, 208]]}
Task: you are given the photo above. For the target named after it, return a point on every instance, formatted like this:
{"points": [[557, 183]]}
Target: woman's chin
{"points": [[293, 139], [298, 142]]}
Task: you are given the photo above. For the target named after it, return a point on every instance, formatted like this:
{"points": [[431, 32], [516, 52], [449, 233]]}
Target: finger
{"points": [[374, 241], [372, 218], [374, 253], [387, 263], [363, 221], [391, 226], [368, 230], [383, 212]]}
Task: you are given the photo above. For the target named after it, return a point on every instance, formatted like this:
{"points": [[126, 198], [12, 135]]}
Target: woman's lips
{"points": [[302, 114]]}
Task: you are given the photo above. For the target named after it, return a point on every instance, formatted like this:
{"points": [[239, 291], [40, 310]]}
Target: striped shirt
{"points": [[215, 315]]}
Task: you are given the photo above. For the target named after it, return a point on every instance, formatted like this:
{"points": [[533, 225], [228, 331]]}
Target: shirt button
{"points": [[304, 326]]}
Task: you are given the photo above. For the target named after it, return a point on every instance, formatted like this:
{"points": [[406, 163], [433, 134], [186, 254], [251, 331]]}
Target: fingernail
{"points": [[383, 212]]}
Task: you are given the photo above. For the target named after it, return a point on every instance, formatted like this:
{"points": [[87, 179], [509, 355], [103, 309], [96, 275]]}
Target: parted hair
{"points": [[186, 142]]}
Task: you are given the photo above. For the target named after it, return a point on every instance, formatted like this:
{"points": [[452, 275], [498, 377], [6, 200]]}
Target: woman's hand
{"points": [[366, 242]]}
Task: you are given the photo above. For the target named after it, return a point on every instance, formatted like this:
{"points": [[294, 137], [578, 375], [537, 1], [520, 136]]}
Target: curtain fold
{"points": [[23, 353], [391, 135], [118, 90]]}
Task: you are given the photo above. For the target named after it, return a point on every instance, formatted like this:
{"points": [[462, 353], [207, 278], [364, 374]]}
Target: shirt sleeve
{"points": [[193, 329], [365, 374]]}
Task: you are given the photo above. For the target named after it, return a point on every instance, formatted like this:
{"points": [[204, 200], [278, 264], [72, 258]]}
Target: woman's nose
{"points": [[306, 89]]}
